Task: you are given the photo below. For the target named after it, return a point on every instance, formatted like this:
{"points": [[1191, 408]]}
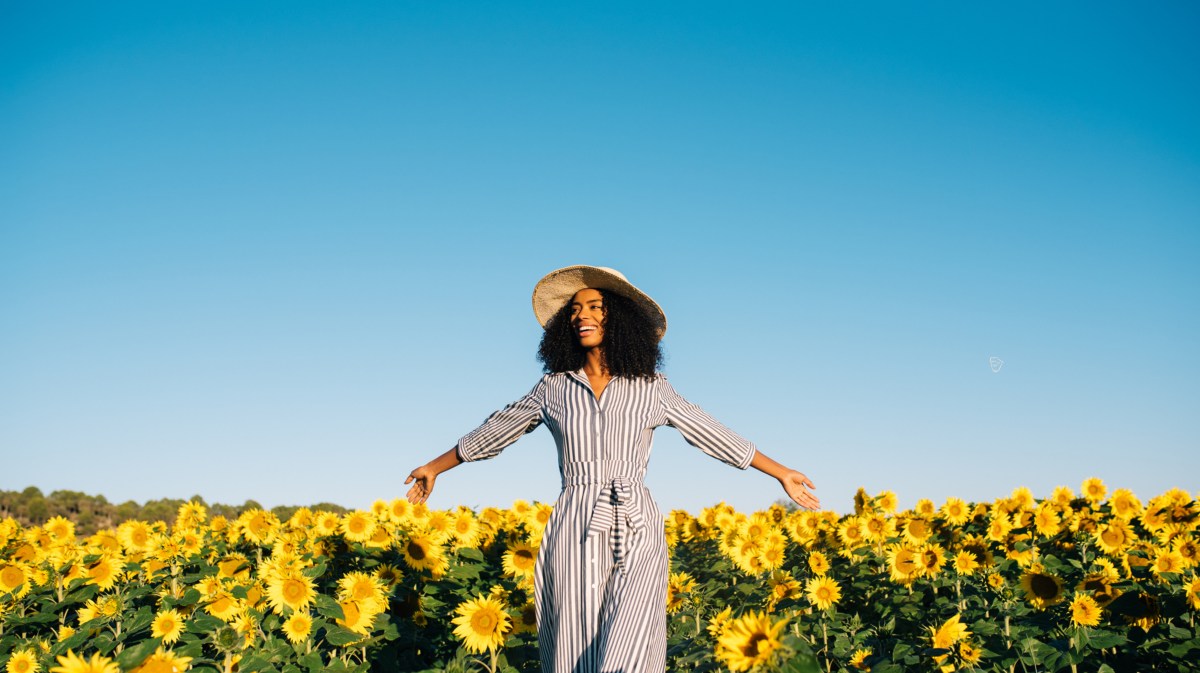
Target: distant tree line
{"points": [[92, 513]]}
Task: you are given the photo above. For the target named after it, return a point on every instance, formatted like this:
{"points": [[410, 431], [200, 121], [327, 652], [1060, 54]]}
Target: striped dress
{"points": [[600, 579]]}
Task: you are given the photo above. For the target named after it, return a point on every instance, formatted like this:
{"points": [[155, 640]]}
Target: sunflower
{"points": [[749, 641], [1046, 520], [718, 622], [887, 501], [950, 632], [1191, 589], [223, 606], [190, 515], [818, 563], [104, 571], [297, 627], [678, 584], [955, 511], [358, 526], [526, 619], [783, 586], [1124, 504], [996, 581], [1094, 489], [519, 560], [1114, 537], [73, 663], [421, 552], [916, 530], [355, 618], [859, 658], [969, 653], [850, 531], [466, 528], [23, 661], [1041, 588], [167, 625], [328, 523], [965, 563], [481, 624], [998, 528], [931, 558], [366, 590], [389, 574], [135, 535], [823, 592], [163, 661], [1100, 587], [1084, 611], [13, 579], [290, 589], [877, 528], [904, 563], [1167, 562]]}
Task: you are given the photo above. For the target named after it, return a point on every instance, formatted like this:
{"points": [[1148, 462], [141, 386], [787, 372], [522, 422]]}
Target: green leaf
{"points": [[1105, 668], [313, 662], [252, 663], [471, 553], [202, 622], [327, 607], [336, 635], [315, 571], [134, 656], [802, 660]]}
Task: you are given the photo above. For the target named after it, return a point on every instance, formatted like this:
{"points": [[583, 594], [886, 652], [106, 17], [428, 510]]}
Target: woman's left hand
{"points": [[794, 483]]}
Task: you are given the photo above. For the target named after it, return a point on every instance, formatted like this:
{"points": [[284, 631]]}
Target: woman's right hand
{"points": [[423, 477]]}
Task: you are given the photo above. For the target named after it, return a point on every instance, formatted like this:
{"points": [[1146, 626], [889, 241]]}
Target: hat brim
{"points": [[556, 288]]}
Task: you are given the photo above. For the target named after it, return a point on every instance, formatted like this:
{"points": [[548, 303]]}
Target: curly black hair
{"points": [[630, 345]]}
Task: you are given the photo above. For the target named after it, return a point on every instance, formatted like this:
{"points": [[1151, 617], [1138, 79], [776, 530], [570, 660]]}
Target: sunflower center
{"points": [[483, 621], [522, 558], [755, 644], [1043, 586], [12, 577], [416, 551], [293, 590]]}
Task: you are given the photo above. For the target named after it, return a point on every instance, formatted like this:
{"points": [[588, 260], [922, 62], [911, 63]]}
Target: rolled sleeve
{"points": [[503, 427], [703, 431]]}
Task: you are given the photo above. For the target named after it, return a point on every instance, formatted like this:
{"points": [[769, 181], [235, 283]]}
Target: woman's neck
{"points": [[593, 365]]}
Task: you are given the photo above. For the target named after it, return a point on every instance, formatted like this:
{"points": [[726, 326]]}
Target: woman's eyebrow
{"points": [[590, 301]]}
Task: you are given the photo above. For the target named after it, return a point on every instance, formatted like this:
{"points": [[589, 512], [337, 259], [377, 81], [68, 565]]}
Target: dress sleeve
{"points": [[703, 431], [504, 427]]}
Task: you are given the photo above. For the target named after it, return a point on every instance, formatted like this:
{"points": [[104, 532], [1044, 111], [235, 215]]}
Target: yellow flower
{"points": [[12, 578], [519, 560], [950, 632], [328, 523], [904, 563], [859, 658], [1192, 591], [421, 552], [290, 589], [297, 627], [823, 592], [366, 590], [355, 618], [931, 558], [1167, 562], [1094, 489], [1085, 611], [916, 530], [783, 586], [167, 625], [965, 563], [678, 584], [817, 563], [526, 621], [103, 573], [1125, 504], [1115, 536], [22, 661], [716, 625], [481, 624], [1041, 588], [955, 511], [163, 661], [73, 663], [970, 653], [749, 641], [358, 526], [887, 501]]}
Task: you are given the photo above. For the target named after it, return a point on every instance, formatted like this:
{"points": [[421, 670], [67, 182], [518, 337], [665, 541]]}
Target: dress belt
{"points": [[616, 508]]}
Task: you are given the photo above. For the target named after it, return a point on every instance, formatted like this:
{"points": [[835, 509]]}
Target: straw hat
{"points": [[556, 288]]}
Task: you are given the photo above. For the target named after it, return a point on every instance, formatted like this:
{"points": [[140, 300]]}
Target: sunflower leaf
{"points": [[336, 635], [471, 553], [327, 607], [134, 656]]}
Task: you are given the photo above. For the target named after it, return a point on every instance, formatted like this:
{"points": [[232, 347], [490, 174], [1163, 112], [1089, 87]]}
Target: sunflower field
{"points": [[1092, 582]]}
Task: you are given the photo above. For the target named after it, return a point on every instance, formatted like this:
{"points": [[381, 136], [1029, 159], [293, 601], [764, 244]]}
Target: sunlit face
{"points": [[587, 317]]}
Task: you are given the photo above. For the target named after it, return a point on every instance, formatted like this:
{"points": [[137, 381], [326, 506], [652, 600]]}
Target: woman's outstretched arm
{"points": [[793, 482], [425, 475]]}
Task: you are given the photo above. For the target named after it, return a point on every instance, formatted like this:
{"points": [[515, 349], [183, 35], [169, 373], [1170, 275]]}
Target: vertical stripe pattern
{"points": [[600, 579]]}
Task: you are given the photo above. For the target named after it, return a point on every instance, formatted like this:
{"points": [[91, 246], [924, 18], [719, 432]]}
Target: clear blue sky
{"points": [[284, 251]]}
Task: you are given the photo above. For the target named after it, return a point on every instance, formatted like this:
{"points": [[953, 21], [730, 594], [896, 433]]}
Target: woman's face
{"points": [[587, 317]]}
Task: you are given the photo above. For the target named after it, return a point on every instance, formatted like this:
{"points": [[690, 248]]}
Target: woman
{"points": [[600, 579]]}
